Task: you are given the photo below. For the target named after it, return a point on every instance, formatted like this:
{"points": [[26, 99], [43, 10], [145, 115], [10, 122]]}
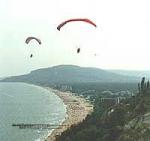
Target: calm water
{"points": [[23, 103]]}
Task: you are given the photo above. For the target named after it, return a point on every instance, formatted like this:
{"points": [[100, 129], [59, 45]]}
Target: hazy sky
{"points": [[121, 40]]}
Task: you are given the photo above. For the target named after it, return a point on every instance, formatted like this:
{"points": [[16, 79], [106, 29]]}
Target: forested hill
{"points": [[70, 74]]}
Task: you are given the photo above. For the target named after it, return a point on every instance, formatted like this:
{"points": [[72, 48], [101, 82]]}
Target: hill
{"points": [[65, 74]]}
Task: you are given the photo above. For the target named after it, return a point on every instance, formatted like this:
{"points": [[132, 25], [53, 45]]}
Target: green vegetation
{"points": [[114, 122], [67, 74]]}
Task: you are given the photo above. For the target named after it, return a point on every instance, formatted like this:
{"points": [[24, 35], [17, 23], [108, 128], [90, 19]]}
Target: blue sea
{"points": [[30, 104]]}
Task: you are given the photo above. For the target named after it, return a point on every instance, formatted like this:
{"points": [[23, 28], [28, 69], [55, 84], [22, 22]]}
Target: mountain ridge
{"points": [[70, 74]]}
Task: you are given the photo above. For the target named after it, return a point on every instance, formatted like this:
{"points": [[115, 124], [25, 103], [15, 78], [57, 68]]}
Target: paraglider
{"points": [[74, 20], [33, 38], [88, 21], [78, 50], [31, 55]]}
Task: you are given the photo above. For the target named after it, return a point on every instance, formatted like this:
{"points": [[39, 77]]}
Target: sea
{"points": [[28, 104]]}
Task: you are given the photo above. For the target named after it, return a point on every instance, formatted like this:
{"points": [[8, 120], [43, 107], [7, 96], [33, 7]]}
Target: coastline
{"points": [[77, 108]]}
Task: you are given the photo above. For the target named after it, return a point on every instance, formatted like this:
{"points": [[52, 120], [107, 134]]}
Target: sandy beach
{"points": [[77, 110]]}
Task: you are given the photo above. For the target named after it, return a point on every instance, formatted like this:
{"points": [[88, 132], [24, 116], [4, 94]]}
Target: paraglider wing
{"points": [[33, 38], [74, 20]]}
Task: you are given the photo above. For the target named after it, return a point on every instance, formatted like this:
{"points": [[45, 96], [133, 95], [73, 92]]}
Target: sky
{"points": [[120, 41]]}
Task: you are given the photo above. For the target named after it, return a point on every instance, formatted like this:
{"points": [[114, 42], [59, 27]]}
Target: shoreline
{"points": [[77, 108]]}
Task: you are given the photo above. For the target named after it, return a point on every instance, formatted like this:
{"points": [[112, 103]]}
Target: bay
{"points": [[29, 104]]}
